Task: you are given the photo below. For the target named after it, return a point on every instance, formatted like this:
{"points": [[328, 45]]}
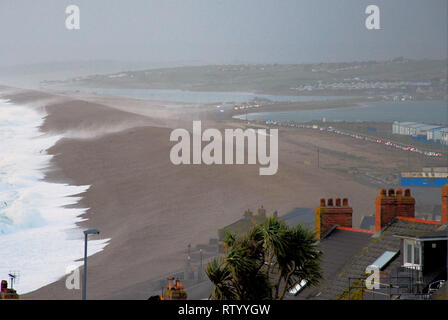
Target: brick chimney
{"points": [[6, 293], [444, 204], [175, 291], [391, 204], [329, 214], [170, 283]]}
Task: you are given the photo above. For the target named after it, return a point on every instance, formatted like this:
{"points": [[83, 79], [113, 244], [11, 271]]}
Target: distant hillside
{"points": [[268, 78], [31, 75]]}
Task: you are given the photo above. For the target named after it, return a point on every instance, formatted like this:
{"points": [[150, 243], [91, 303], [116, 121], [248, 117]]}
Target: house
{"points": [[410, 253], [244, 224]]}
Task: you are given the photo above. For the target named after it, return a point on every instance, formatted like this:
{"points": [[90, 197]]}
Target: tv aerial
{"points": [[14, 277]]}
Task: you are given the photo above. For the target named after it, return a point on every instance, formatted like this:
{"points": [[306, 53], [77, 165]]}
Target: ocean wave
{"points": [[35, 217]]}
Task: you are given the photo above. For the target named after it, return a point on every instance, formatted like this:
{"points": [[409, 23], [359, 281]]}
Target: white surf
{"points": [[39, 239]]}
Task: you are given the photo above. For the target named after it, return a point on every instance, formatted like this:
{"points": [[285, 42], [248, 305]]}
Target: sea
{"points": [[200, 97], [431, 112], [39, 238]]}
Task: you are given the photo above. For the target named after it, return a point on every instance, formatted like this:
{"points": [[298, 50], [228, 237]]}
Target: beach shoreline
{"points": [[149, 208]]}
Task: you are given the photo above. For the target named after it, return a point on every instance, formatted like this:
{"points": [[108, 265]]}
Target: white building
{"points": [[401, 127], [415, 129], [444, 135], [439, 134], [423, 130]]}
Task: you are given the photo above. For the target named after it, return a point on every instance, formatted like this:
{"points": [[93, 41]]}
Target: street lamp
{"points": [[86, 234], [200, 268]]}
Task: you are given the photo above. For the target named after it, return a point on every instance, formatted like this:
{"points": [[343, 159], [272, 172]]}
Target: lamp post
{"points": [[86, 234], [200, 268]]}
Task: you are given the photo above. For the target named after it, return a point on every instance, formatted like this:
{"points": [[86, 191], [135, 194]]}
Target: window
{"points": [[408, 250], [417, 255], [412, 254]]}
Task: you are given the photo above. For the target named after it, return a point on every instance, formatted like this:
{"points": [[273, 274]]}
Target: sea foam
{"points": [[39, 238]]}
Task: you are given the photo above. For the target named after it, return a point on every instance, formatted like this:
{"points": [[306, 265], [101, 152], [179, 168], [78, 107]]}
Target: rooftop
{"points": [[304, 216], [339, 247], [371, 250]]}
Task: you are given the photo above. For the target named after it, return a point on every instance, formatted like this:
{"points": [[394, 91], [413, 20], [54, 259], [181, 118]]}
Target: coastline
{"points": [[150, 209], [38, 217]]}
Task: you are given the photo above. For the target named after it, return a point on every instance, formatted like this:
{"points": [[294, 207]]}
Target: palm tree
{"points": [[265, 263], [222, 278]]}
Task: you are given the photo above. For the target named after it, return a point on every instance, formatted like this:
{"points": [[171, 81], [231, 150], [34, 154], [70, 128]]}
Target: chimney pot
{"points": [[407, 192], [345, 202], [382, 192], [330, 202], [391, 192], [338, 202], [322, 202], [179, 285], [170, 283], [399, 192], [4, 286]]}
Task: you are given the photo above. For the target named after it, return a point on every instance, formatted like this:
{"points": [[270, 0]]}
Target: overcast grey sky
{"points": [[221, 31]]}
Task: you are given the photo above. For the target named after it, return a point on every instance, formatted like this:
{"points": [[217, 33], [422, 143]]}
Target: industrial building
{"points": [[439, 135], [431, 177], [435, 133], [413, 128]]}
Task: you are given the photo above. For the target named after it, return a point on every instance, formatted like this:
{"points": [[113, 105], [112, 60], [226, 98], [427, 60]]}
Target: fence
{"points": [[407, 283]]}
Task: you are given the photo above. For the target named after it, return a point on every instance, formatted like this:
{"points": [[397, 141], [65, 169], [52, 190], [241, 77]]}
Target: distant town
{"points": [[398, 79]]}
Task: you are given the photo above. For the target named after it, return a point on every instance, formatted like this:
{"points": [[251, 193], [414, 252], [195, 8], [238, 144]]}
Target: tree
{"points": [[265, 263]]}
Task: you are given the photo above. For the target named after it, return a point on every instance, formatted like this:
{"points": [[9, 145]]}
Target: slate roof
{"points": [[440, 233], [374, 248], [304, 216], [338, 247]]}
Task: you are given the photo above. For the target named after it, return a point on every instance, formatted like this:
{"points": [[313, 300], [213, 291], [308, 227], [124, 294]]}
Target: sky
{"points": [[221, 31]]}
